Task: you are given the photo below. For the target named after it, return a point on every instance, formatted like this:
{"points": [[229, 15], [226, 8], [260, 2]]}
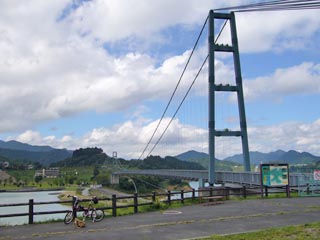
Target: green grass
{"points": [[299, 232]]}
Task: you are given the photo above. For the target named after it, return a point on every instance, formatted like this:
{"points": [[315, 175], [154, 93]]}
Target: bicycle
{"points": [[96, 214]]}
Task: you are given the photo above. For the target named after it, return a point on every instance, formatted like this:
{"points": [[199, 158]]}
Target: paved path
{"points": [[182, 223]]}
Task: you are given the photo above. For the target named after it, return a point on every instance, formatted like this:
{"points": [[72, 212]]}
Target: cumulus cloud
{"points": [[55, 63], [276, 31], [302, 79], [110, 21], [52, 65], [113, 20], [286, 136], [129, 139], [55, 81]]}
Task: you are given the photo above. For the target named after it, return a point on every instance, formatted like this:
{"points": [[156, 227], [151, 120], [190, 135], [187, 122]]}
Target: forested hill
{"points": [[96, 157], [24, 153], [45, 158], [156, 162], [85, 157]]}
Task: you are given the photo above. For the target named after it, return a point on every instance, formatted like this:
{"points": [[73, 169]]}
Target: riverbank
{"points": [[32, 190]]}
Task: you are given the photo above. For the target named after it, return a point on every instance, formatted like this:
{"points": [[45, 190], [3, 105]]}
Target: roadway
{"points": [[182, 223]]}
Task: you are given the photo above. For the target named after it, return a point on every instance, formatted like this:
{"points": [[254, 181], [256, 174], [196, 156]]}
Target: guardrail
{"points": [[136, 201]]}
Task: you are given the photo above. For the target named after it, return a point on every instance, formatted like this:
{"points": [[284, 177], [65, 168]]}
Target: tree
{"points": [[38, 179], [96, 171]]}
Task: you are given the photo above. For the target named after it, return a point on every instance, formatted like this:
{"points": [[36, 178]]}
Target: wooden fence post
{"points": [[244, 189], [114, 205], [153, 197], [288, 191], [135, 201], [74, 207], [227, 193], [193, 194], [30, 211], [169, 197], [266, 190], [182, 196]]}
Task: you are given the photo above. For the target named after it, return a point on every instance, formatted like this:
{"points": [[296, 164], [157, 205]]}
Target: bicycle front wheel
{"points": [[68, 218], [97, 215]]}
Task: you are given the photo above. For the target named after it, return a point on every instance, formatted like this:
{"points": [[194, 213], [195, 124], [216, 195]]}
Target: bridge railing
{"points": [[243, 178], [247, 178], [254, 178]]}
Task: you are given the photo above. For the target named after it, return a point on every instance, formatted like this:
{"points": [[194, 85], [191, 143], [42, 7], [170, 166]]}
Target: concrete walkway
{"points": [[183, 223]]}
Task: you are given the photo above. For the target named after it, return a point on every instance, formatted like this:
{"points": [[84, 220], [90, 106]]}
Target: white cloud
{"points": [[54, 65], [302, 79], [64, 80], [30, 137], [50, 70], [114, 20], [286, 136], [130, 138], [276, 31]]}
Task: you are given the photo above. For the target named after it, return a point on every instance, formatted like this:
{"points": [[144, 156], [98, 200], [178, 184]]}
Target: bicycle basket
{"points": [[95, 200]]}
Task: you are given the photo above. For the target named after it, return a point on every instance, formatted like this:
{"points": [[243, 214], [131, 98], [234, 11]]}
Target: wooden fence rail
{"points": [[148, 199]]}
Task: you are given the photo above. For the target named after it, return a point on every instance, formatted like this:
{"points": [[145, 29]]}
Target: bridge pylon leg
{"points": [[213, 47]]}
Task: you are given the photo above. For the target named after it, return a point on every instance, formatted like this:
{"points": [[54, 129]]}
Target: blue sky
{"points": [[100, 73]]}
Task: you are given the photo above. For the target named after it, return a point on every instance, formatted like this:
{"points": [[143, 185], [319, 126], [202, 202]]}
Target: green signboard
{"points": [[273, 175]]}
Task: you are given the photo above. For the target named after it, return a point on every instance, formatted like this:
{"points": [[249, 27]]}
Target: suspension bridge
{"points": [[228, 46], [242, 178]]}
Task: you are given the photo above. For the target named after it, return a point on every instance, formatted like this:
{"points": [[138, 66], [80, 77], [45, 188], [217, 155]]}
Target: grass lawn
{"points": [[298, 232]]}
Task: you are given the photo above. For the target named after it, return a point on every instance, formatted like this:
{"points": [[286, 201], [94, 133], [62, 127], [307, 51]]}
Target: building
{"points": [[48, 173]]}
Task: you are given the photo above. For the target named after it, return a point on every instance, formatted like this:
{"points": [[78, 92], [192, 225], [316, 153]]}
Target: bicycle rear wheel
{"points": [[68, 218], [97, 215]]}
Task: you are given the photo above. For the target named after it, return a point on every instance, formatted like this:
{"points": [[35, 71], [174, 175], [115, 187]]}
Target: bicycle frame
{"points": [[90, 211]]}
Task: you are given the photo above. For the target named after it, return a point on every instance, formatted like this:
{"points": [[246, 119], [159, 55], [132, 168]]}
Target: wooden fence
{"points": [[136, 200]]}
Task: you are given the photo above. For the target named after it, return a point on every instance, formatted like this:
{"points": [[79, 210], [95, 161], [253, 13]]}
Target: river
{"points": [[43, 196], [23, 197]]}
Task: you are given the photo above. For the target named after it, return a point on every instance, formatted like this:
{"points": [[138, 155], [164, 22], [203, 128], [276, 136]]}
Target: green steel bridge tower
{"points": [[213, 87]]}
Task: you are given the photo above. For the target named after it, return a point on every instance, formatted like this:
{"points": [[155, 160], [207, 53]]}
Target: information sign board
{"points": [[273, 175]]}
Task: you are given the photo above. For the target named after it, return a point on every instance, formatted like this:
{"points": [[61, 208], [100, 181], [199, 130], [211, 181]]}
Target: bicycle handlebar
{"points": [[93, 198]]}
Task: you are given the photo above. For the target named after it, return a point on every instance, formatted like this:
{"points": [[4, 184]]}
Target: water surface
{"points": [[23, 197]]}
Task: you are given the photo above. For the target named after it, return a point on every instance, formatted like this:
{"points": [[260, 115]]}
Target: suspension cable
{"points": [[277, 5], [176, 87], [189, 89], [185, 96]]}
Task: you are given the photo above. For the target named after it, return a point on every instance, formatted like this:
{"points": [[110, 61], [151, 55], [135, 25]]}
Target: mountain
{"points": [[192, 155], [279, 156], [257, 157], [21, 151], [290, 157], [203, 160], [15, 145]]}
